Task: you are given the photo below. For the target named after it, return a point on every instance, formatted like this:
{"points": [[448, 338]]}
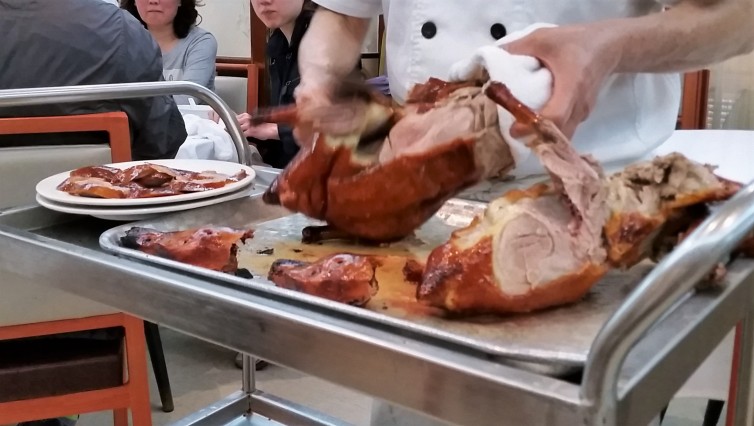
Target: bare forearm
{"points": [[331, 47], [691, 35]]}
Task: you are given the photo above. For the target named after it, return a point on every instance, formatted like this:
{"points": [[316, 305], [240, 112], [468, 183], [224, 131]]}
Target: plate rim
{"points": [[65, 198], [129, 210]]}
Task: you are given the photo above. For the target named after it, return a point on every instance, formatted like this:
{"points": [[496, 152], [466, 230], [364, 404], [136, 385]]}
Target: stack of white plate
{"points": [[128, 209]]}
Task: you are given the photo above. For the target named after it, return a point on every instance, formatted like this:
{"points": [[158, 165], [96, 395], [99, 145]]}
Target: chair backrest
{"points": [[233, 90], [21, 167]]}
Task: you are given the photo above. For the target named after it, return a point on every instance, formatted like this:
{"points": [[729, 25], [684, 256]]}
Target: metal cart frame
{"points": [[642, 355]]}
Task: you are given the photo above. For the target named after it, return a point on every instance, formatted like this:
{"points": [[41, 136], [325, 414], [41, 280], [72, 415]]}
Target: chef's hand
{"points": [[264, 131], [331, 109], [579, 60]]}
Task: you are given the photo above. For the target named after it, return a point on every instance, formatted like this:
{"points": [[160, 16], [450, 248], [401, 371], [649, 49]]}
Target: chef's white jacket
{"points": [[634, 112]]}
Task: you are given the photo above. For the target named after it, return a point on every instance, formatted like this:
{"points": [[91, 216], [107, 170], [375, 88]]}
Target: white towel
{"points": [[527, 79], [206, 140]]}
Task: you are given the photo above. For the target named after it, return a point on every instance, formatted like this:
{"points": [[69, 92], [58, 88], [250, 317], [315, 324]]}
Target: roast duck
{"points": [[531, 249], [142, 181]]}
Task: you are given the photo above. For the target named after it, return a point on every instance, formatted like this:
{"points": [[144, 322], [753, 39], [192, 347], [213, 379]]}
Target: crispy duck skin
{"points": [[343, 277], [395, 166], [211, 248], [93, 187], [109, 174]]}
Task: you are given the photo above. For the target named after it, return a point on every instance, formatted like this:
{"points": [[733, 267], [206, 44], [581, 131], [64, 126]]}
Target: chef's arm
{"points": [[690, 35], [330, 49]]}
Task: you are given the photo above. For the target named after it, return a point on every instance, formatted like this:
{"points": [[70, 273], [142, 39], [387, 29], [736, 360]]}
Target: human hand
{"points": [[580, 58], [212, 115], [264, 131]]}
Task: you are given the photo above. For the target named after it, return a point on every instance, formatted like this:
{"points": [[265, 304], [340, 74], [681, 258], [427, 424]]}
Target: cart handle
{"points": [[672, 278], [100, 92]]}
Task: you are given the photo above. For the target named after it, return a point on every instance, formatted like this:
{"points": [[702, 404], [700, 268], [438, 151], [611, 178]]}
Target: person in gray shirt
{"points": [[188, 52], [75, 42]]}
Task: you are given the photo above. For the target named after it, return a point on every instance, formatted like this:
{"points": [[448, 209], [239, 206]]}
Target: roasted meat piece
{"points": [[344, 278], [102, 172], [211, 248], [657, 197], [142, 181], [532, 249], [94, 187], [394, 167], [548, 245]]}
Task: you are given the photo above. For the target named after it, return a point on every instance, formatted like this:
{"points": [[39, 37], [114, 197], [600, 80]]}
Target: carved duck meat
{"points": [[531, 249], [656, 198], [369, 179], [344, 278], [211, 248], [548, 245], [142, 181]]}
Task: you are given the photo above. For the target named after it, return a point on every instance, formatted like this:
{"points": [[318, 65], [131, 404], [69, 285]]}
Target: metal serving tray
{"points": [[555, 342]]}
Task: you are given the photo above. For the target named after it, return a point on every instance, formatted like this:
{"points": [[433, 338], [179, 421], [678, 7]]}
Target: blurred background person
{"points": [[188, 51], [85, 42]]}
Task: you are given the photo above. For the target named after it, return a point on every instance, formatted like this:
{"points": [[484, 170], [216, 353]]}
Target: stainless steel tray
{"points": [[554, 342]]}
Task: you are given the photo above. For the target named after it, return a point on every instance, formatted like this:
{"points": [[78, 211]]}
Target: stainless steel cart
{"points": [[657, 335]]}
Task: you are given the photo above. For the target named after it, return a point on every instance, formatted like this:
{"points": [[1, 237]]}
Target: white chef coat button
{"points": [[429, 29], [498, 31]]}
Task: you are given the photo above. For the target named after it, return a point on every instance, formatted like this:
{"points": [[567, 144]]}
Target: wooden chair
{"points": [[240, 68], [31, 311], [76, 393]]}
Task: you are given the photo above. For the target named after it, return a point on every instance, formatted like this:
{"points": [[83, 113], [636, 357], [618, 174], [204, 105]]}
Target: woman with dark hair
{"points": [[188, 52], [288, 20]]}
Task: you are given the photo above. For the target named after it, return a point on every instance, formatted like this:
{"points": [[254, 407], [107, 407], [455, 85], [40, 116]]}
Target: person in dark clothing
{"points": [[289, 20], [78, 42]]}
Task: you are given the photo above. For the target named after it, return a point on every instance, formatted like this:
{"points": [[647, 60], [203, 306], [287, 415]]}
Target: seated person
{"points": [[85, 42], [289, 20], [188, 52]]}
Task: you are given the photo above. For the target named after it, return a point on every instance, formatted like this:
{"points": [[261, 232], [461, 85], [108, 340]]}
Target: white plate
{"points": [[47, 188], [139, 213]]}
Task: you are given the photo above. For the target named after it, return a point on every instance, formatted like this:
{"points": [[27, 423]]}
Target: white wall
{"points": [[228, 21]]}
